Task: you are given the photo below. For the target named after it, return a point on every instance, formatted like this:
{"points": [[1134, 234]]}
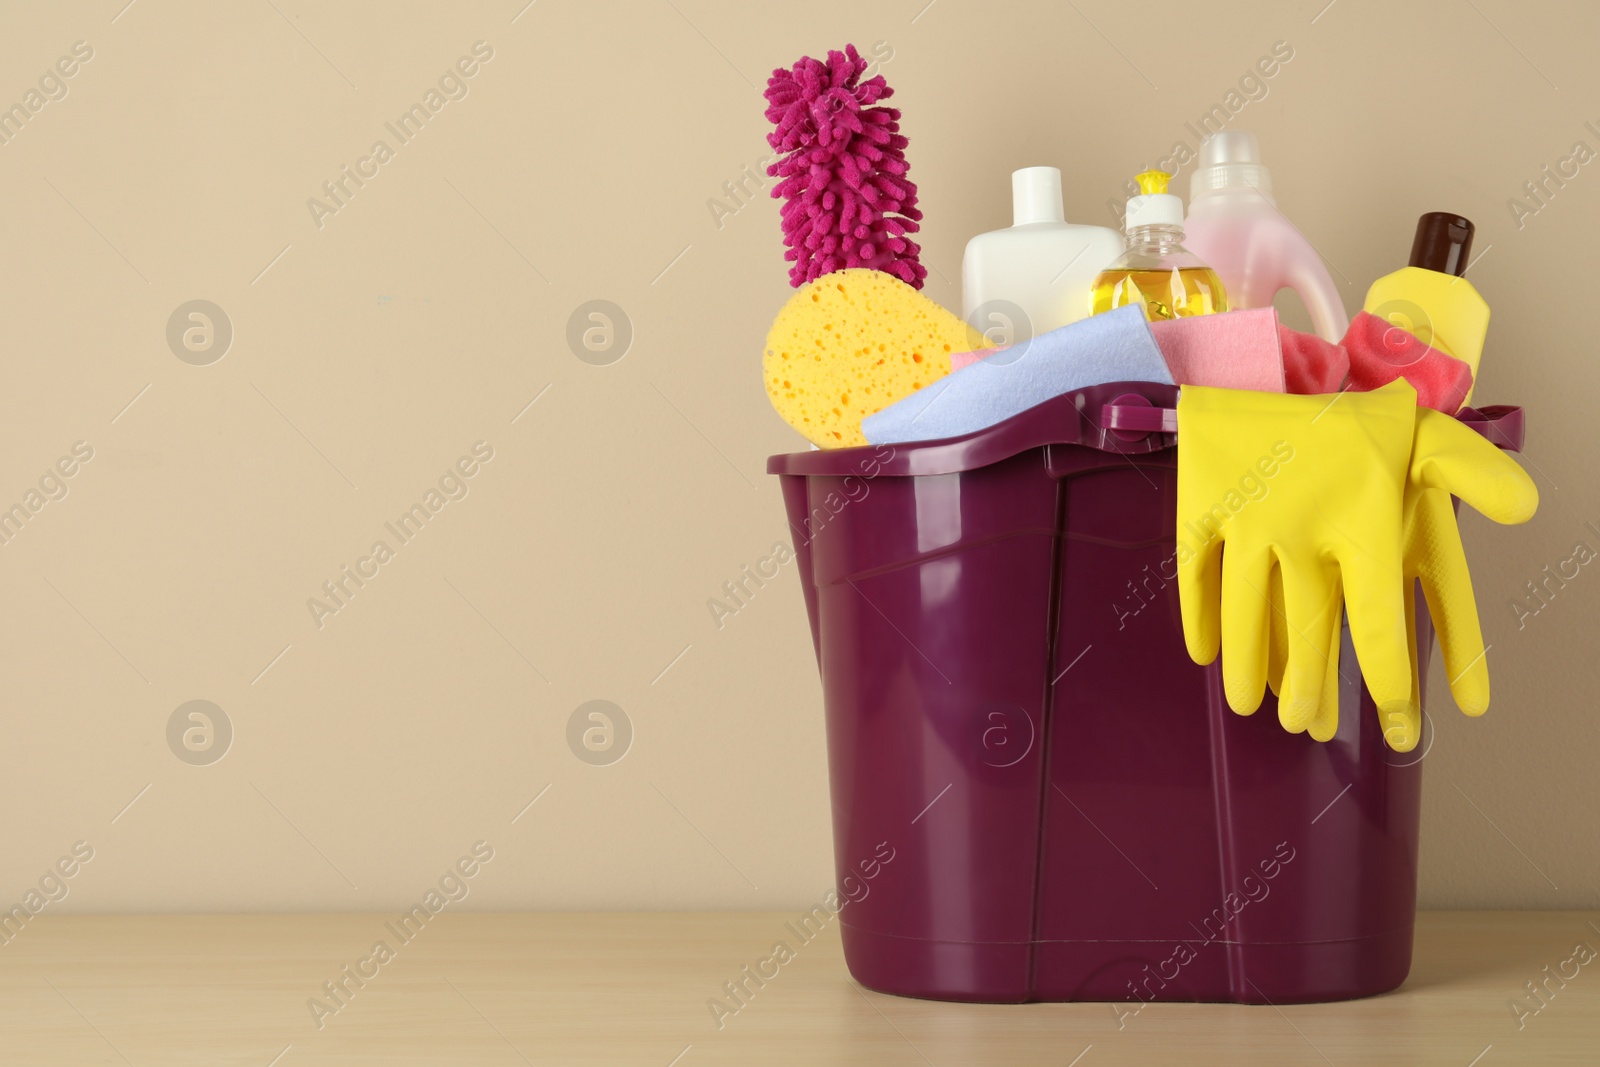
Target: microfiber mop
{"points": [[847, 201]]}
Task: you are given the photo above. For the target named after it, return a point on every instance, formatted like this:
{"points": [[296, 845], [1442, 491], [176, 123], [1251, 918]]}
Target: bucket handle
{"points": [[1132, 418]]}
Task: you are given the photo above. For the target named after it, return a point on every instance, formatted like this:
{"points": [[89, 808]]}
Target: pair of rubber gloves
{"points": [[1328, 503]]}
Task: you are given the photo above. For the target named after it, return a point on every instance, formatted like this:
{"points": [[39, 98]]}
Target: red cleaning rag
{"points": [[1310, 364], [1380, 352]]}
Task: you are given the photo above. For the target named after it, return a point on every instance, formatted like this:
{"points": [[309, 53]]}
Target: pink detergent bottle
{"points": [[1235, 225]]}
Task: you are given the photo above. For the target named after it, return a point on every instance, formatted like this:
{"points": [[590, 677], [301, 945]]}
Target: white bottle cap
{"points": [[1036, 196], [1231, 160], [1153, 209]]}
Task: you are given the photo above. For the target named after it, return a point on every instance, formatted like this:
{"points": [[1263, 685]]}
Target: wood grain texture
{"points": [[634, 989]]}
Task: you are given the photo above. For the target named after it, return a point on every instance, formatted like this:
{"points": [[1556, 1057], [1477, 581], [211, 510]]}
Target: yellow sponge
{"points": [[851, 343]]}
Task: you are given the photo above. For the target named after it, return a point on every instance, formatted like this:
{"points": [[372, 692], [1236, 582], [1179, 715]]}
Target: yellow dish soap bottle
{"points": [[1157, 272]]}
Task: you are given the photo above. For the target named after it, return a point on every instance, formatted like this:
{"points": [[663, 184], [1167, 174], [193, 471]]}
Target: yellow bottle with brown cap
{"points": [[1430, 299]]}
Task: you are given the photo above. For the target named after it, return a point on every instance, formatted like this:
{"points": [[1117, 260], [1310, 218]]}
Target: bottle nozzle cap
{"points": [[1154, 206], [1036, 196], [1152, 181], [1443, 243]]}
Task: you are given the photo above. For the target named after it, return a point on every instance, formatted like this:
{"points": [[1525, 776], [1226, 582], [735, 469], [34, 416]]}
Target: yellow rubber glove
{"points": [[1447, 459], [1324, 722], [1311, 486]]}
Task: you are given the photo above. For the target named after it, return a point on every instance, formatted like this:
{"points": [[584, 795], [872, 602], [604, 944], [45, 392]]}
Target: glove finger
{"points": [[1245, 612], [1311, 620], [1447, 455], [1441, 564], [1199, 592], [1277, 633], [1373, 594], [1325, 722], [1417, 666], [1403, 727]]}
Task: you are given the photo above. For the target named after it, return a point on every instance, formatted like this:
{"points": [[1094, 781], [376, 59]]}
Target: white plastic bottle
{"points": [[1235, 226], [1041, 264]]}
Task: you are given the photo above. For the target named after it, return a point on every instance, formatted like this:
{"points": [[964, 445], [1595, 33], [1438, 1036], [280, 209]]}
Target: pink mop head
{"points": [[847, 201]]}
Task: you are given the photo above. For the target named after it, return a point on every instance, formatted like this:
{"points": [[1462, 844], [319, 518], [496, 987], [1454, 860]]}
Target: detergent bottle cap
{"points": [[1036, 196], [1154, 206], [1231, 160], [1443, 243]]}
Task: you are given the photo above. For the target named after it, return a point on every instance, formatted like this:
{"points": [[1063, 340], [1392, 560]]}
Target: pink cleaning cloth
{"points": [[1246, 349], [1310, 364], [1380, 352], [967, 359], [1231, 350]]}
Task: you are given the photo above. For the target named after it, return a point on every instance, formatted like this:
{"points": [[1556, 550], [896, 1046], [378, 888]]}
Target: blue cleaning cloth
{"points": [[1114, 347]]}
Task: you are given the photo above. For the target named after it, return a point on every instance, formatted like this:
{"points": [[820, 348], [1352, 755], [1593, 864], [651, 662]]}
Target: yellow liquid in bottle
{"points": [[1163, 294]]}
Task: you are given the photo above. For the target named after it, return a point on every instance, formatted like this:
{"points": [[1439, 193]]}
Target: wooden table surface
{"points": [[631, 989]]}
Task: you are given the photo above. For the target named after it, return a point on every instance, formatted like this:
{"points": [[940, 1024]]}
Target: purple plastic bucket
{"points": [[1073, 811]]}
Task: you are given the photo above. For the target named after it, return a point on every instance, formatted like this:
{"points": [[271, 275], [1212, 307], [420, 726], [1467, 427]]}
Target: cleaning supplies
{"points": [[1234, 224], [1430, 298], [1156, 272], [853, 342], [1041, 263], [1234, 350], [847, 200], [1380, 353], [1311, 486], [1116, 347], [1446, 458]]}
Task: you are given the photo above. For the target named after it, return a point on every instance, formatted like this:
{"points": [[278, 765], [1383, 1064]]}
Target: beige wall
{"points": [[372, 351]]}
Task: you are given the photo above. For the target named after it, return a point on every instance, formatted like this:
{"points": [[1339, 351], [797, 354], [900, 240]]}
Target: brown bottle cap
{"points": [[1443, 242]]}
